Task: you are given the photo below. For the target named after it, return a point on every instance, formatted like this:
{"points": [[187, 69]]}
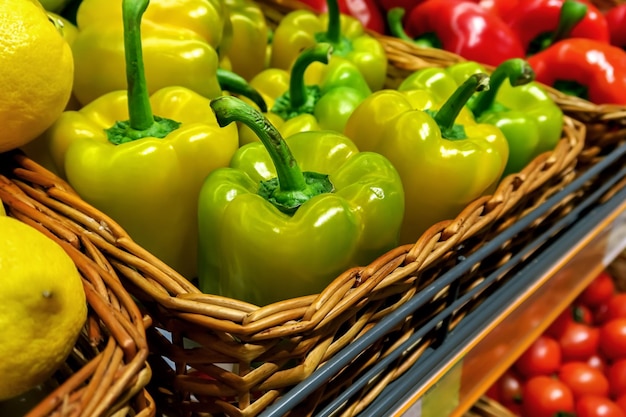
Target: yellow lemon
{"points": [[42, 307], [36, 72]]}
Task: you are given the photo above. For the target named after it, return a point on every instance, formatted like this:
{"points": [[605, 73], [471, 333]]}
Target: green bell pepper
{"points": [[302, 29], [324, 104], [445, 159], [142, 170], [530, 120], [289, 215]]}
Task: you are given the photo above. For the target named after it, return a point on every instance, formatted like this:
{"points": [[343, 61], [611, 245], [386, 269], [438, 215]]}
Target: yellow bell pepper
{"points": [[144, 169], [179, 41]]}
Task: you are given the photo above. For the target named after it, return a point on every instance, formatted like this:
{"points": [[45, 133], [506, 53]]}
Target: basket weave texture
{"points": [[107, 371]]}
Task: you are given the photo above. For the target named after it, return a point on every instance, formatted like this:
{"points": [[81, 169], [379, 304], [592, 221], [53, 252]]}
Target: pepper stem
{"points": [[394, 20], [141, 123], [396, 28], [139, 108], [333, 32], [297, 89], [572, 12], [448, 113], [516, 70], [291, 188], [236, 84]]}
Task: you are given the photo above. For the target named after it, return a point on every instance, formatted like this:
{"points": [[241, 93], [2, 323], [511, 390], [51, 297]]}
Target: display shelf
{"points": [[534, 286]]}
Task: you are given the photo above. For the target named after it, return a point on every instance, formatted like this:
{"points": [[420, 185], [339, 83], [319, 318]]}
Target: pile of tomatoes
{"points": [[577, 367]]}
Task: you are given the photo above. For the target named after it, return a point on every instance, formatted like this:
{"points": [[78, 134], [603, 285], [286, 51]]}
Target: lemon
{"points": [[42, 307], [36, 72]]}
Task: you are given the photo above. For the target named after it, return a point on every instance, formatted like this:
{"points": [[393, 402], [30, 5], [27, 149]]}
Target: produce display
{"points": [[572, 45], [577, 366], [259, 162]]}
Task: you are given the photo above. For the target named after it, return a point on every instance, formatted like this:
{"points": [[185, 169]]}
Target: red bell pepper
{"points": [[368, 12], [616, 19], [499, 7], [538, 23], [459, 26], [593, 70]]}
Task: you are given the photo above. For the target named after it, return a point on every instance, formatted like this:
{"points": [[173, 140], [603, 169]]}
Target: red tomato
{"points": [[597, 406], [599, 290], [613, 339], [574, 313], [621, 402], [616, 374], [579, 342], [543, 357], [583, 379], [509, 388], [598, 362], [601, 313], [616, 307], [544, 396]]}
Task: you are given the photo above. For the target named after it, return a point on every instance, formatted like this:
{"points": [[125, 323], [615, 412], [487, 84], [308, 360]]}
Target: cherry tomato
{"points": [[616, 307], [544, 396], [598, 362], [509, 388], [616, 374], [543, 357], [597, 406], [601, 313], [579, 342], [574, 313], [621, 402], [583, 379], [599, 290], [613, 339]]}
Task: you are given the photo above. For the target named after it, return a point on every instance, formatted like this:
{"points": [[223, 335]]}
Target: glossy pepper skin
{"points": [[445, 159], [289, 215], [301, 29], [144, 169], [476, 34], [246, 44], [537, 23], [179, 41], [616, 20], [335, 90], [590, 69], [530, 120], [368, 12]]}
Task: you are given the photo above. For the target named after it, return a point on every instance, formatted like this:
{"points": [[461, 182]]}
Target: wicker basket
{"points": [[107, 371], [233, 358]]}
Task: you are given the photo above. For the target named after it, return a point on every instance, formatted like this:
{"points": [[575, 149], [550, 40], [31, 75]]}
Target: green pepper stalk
{"points": [[516, 70], [396, 28], [291, 188], [572, 12], [333, 31], [447, 114], [142, 123], [300, 98], [236, 84]]}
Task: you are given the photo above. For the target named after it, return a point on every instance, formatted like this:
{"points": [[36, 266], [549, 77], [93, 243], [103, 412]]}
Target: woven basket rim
{"points": [[179, 296]]}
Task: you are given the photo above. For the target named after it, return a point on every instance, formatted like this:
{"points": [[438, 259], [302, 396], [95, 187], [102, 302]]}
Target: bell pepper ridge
{"points": [[142, 122], [292, 187], [236, 84], [516, 70], [448, 113]]}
